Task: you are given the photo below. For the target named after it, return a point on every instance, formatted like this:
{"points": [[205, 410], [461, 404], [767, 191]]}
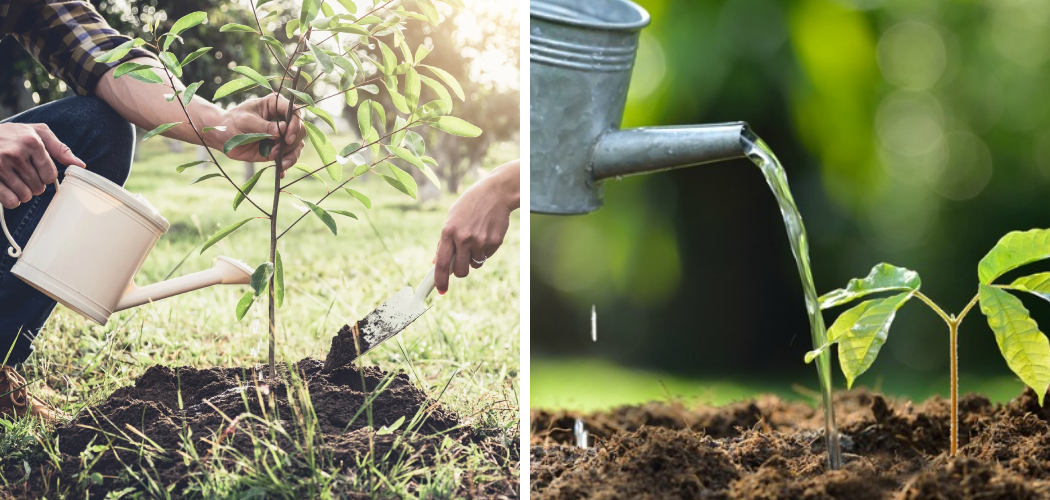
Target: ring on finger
{"points": [[479, 263]]}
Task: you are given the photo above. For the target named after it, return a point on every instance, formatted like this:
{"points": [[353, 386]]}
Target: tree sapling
{"points": [[347, 61], [861, 330]]}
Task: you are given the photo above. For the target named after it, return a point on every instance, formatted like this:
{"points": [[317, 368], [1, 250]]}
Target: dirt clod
{"points": [[772, 449]]}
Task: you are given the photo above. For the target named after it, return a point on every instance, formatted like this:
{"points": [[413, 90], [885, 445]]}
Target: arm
{"points": [[144, 105], [477, 223]]}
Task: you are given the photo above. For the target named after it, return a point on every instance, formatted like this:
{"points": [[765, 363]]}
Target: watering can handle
{"points": [[14, 250]]}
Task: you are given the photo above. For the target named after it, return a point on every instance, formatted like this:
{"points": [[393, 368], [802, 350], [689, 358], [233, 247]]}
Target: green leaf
{"points": [[224, 232], [1014, 250], [381, 114], [455, 126], [274, 44], [406, 155], [449, 80], [389, 59], [253, 75], [191, 89], [350, 148], [309, 11], [261, 277], [1025, 348], [265, 147], [364, 117], [402, 181], [98, 480], [322, 57], [412, 88], [278, 282], [303, 96], [238, 198], [245, 304], [882, 278], [1036, 284], [236, 27], [428, 10], [128, 67], [361, 168], [308, 170], [860, 344], [414, 143], [120, 51], [171, 62], [186, 22], [242, 139], [349, 5], [220, 128], [360, 197], [184, 166], [234, 86], [194, 55], [289, 29], [160, 130], [399, 100], [322, 114], [343, 212], [421, 52], [146, 75], [325, 149], [389, 429], [204, 178], [323, 215], [399, 131]]}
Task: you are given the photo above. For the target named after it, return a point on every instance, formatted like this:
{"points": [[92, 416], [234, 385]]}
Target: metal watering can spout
{"points": [[580, 57], [226, 271], [654, 149]]}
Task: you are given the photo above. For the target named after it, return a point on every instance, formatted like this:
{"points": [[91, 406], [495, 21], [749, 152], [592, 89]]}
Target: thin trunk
{"points": [[953, 333]]}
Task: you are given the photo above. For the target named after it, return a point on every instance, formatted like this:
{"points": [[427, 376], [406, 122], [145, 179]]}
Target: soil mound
{"points": [[167, 408], [769, 449]]}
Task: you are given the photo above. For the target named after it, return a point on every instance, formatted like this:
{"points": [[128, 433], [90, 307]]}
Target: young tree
{"points": [[328, 47]]}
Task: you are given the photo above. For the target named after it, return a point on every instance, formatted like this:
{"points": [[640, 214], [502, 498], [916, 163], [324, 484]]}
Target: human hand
{"points": [[477, 223], [261, 115], [25, 161]]}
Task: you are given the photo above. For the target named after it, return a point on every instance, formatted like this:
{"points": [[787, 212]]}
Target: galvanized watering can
{"points": [[580, 58]]}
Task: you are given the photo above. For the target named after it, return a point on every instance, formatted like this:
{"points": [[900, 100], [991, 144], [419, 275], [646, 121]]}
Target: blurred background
{"points": [[913, 132]]}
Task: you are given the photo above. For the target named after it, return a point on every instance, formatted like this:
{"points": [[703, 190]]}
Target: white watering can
{"points": [[91, 242]]}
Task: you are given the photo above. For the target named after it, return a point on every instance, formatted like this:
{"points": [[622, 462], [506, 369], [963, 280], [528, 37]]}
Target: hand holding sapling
{"points": [[861, 330]]}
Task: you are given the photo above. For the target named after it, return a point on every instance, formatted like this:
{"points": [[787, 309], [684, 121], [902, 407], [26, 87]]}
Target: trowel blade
{"points": [[377, 327]]}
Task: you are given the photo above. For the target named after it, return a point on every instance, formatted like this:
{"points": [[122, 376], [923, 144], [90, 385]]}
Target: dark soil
{"points": [[773, 449], [151, 407]]}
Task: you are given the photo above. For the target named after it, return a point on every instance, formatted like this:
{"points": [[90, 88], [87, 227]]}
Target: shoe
{"points": [[16, 401]]}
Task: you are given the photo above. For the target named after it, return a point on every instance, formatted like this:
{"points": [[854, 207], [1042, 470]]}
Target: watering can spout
{"points": [[653, 149], [226, 271]]}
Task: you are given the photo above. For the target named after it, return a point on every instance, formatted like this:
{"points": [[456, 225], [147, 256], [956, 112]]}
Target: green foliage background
{"points": [[913, 132]]}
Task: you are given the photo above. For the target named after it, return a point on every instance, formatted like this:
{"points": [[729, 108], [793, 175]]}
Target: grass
{"points": [[465, 349], [591, 385]]}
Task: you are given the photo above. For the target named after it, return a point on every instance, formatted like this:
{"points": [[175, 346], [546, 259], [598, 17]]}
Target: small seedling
{"points": [[861, 330], [352, 53]]}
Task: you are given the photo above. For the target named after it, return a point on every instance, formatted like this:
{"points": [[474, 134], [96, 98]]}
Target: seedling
{"points": [[860, 332], [352, 55]]}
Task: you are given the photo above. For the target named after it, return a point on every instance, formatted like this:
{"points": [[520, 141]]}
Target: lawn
{"points": [[469, 340]]}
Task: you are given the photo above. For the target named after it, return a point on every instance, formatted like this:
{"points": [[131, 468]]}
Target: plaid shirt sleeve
{"points": [[65, 36]]}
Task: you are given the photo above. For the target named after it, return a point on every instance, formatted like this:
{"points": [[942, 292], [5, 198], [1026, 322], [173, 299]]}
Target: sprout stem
{"points": [[953, 337]]}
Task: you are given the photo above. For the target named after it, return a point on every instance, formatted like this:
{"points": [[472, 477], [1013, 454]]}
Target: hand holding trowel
{"points": [[387, 320]]}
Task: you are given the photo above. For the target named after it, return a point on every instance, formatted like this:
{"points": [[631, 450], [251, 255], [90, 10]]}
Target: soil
{"points": [[770, 449], [211, 397]]}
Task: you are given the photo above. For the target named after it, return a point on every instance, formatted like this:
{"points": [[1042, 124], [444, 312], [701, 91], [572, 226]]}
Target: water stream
{"points": [[759, 153]]}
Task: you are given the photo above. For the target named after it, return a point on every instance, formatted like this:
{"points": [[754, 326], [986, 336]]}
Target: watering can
{"points": [[91, 242], [580, 58]]}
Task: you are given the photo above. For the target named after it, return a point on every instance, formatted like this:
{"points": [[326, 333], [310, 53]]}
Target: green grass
{"points": [[469, 340], [589, 385]]}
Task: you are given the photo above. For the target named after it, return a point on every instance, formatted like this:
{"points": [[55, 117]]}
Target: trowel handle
{"points": [[14, 250], [427, 285]]}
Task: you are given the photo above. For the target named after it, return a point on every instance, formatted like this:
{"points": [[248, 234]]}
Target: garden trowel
{"points": [[387, 320]]}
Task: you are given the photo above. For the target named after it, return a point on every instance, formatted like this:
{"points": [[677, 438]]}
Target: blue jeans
{"points": [[105, 141]]}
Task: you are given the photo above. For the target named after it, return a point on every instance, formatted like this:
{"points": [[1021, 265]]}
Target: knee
{"points": [[115, 140]]}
